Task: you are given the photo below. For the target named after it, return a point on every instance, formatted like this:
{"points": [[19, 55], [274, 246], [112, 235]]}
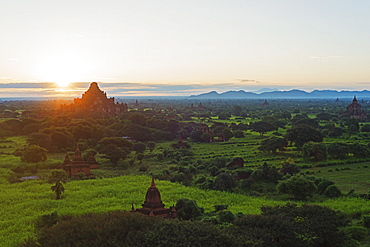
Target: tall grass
{"points": [[22, 203]]}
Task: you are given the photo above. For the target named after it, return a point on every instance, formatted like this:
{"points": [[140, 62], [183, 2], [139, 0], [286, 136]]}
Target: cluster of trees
{"points": [[287, 225]]}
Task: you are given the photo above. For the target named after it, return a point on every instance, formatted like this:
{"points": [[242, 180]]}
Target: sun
{"points": [[63, 68]]}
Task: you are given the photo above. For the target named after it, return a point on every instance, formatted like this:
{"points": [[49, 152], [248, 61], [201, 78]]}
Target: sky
{"points": [[172, 47]]}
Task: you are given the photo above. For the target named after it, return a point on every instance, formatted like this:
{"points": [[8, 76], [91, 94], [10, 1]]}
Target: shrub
{"points": [[332, 191], [356, 232], [366, 220]]}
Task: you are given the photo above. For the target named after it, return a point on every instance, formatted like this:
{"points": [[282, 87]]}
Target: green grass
{"points": [[357, 178], [22, 203]]}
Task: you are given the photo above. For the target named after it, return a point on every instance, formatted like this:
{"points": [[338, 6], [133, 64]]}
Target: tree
{"points": [[224, 181], [223, 116], [137, 132], [137, 118], [302, 134], [58, 177], [332, 191], [298, 186], [238, 134], [228, 134], [196, 135], [139, 147], [34, 154], [188, 209], [151, 146], [316, 150], [338, 150], [113, 153], [289, 167], [337, 131], [272, 143], [311, 225], [40, 139], [359, 150], [365, 128], [206, 137], [262, 127], [266, 173]]}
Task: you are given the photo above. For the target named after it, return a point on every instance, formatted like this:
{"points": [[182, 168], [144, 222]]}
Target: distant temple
{"points": [[78, 164], [354, 110], [153, 205], [265, 103], [136, 105], [95, 100]]}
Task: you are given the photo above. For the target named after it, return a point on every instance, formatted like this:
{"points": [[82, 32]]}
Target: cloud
{"points": [[247, 81], [315, 57]]}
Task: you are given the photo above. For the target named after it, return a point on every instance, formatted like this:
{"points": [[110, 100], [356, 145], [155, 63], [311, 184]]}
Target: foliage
{"points": [[332, 191], [272, 143], [151, 145], [58, 177], [262, 127], [34, 154], [224, 182], [238, 134], [298, 186], [290, 225], [316, 150], [22, 203], [302, 134], [289, 167], [227, 133], [139, 147], [188, 209], [358, 233], [338, 150], [266, 173]]}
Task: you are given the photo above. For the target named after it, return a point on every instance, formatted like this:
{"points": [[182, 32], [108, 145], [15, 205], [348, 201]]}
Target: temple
{"points": [[78, 164], [153, 205], [354, 110], [95, 100]]}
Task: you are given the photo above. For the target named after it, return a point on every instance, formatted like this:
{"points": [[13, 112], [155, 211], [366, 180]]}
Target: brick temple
{"points": [[153, 205], [354, 110], [95, 100], [78, 164]]}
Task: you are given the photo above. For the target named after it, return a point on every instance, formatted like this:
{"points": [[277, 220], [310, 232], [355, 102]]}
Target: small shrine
{"points": [[153, 205], [265, 103], [78, 164], [354, 110]]}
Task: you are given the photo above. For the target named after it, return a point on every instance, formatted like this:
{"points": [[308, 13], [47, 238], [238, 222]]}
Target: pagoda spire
{"points": [[66, 159], [78, 156], [152, 184]]}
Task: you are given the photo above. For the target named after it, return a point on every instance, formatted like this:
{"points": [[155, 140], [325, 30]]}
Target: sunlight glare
{"points": [[63, 69]]}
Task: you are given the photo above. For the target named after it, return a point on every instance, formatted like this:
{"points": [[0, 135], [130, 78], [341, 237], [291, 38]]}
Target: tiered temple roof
{"points": [[354, 110], [95, 100], [78, 164], [153, 205]]}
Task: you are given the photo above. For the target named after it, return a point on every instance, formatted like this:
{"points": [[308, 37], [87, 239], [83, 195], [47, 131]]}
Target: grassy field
{"points": [[347, 177], [22, 203]]}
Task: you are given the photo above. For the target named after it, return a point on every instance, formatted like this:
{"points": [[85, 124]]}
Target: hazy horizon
{"points": [[181, 48]]}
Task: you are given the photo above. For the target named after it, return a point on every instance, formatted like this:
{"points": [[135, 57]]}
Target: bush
{"points": [[356, 232], [298, 186], [366, 220], [34, 154], [332, 191]]}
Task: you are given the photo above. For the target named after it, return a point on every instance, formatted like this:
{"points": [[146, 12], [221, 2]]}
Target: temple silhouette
{"points": [[153, 205], [95, 100]]}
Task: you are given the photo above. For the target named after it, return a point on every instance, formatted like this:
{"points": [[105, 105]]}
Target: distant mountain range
{"points": [[291, 94]]}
